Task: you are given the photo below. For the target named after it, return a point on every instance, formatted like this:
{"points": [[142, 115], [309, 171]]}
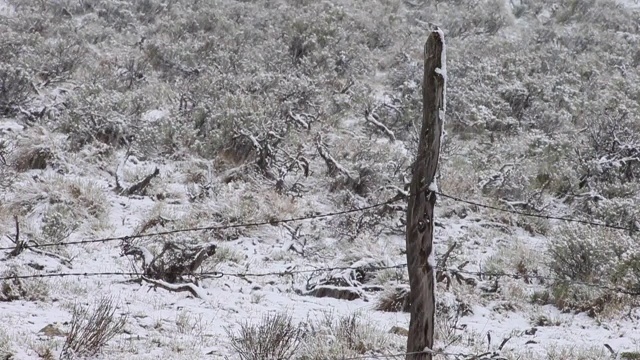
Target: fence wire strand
{"points": [[244, 275], [317, 216]]}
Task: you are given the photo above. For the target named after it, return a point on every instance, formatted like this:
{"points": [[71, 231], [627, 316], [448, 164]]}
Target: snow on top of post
{"points": [[433, 186], [442, 70]]}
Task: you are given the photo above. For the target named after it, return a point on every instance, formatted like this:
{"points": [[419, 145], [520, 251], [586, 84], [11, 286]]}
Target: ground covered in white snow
{"points": [[258, 111]]}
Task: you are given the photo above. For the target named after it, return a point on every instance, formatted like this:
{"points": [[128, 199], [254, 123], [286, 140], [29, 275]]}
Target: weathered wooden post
{"points": [[420, 255]]}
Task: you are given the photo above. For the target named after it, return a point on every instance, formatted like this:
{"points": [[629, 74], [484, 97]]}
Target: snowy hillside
{"points": [[192, 179]]}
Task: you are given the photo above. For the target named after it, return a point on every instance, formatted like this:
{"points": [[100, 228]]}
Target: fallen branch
{"points": [[119, 187], [138, 188], [332, 165], [174, 263], [62, 259], [191, 288], [370, 118]]}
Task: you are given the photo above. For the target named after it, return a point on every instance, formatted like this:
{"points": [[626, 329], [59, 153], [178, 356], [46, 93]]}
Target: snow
{"points": [[155, 115], [633, 4], [177, 325], [6, 9], [442, 70], [433, 186], [227, 301], [9, 126]]}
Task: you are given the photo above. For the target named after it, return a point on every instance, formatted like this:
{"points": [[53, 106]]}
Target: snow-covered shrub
{"points": [[15, 89], [332, 338], [72, 204], [6, 351], [58, 222], [37, 157], [61, 60], [582, 254], [615, 144], [275, 337], [92, 328], [480, 17], [587, 262], [394, 300], [7, 173], [15, 288]]}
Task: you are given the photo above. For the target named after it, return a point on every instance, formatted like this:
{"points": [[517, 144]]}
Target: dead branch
{"points": [[135, 189], [191, 288], [139, 188], [299, 120], [333, 166], [173, 263], [139, 252], [204, 252], [62, 259], [119, 187], [371, 118], [20, 244]]}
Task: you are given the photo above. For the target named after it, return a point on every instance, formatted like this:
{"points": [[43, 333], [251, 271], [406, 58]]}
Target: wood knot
{"points": [[422, 225]]}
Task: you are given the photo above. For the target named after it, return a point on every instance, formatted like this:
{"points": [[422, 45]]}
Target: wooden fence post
{"points": [[422, 199]]}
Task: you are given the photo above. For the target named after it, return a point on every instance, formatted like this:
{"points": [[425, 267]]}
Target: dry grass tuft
{"points": [[34, 158], [22, 289], [395, 300], [91, 329], [275, 337]]}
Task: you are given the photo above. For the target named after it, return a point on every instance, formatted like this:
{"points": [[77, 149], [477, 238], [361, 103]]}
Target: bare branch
{"points": [[139, 188], [191, 288]]}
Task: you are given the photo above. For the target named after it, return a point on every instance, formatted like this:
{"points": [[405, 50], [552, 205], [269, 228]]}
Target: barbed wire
{"points": [[544, 278], [318, 216], [214, 227], [244, 275], [484, 356], [540, 216], [216, 274]]}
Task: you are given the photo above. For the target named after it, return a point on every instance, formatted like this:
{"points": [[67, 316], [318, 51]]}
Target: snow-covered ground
{"points": [[266, 269], [179, 326], [630, 3]]}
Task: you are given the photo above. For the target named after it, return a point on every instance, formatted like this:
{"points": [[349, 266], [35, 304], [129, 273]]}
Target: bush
{"points": [[395, 300], [349, 335], [22, 289], [585, 262], [15, 89], [275, 337], [91, 329], [6, 352]]}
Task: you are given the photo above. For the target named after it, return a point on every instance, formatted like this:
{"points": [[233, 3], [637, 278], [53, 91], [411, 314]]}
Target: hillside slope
{"points": [[121, 120]]}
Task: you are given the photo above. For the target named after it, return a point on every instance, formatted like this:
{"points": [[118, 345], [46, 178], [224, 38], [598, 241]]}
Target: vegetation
{"points": [[154, 115]]}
